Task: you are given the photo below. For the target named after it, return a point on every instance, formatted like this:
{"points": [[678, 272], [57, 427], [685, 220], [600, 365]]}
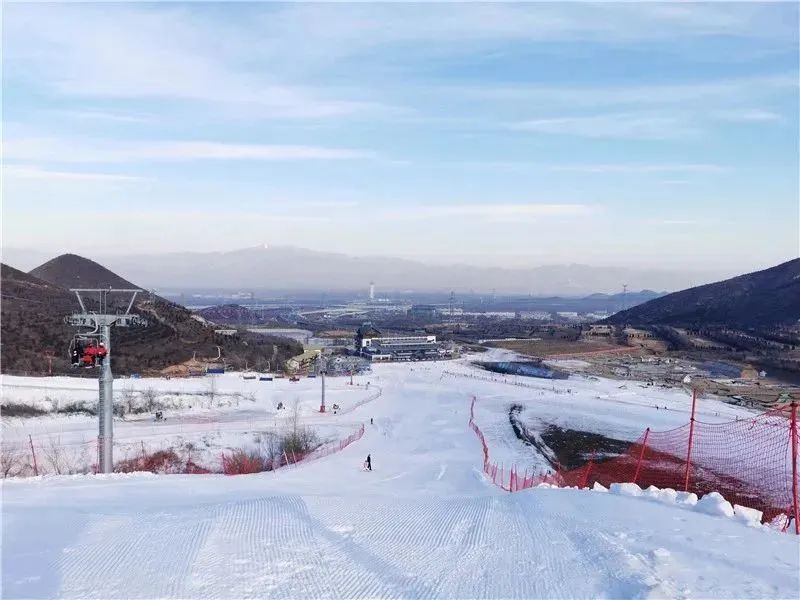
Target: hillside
{"points": [[761, 299], [33, 311], [73, 271], [32, 323]]}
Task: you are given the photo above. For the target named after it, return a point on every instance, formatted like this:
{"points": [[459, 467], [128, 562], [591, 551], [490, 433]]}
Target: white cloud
{"points": [[254, 57], [747, 115], [673, 222], [40, 174], [101, 151], [102, 115], [730, 92], [641, 168], [118, 51], [634, 126], [493, 212], [318, 34]]}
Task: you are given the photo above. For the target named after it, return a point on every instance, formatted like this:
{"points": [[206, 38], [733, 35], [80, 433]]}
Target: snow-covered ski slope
{"points": [[424, 523]]}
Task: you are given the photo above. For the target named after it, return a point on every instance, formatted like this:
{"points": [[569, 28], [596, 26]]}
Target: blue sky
{"points": [[497, 134]]}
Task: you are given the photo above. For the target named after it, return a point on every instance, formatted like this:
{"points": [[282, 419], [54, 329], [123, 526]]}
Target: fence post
{"points": [[689, 446], [641, 455], [585, 481], [794, 469], [36, 467]]}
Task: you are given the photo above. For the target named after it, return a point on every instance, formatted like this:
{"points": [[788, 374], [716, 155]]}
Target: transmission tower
{"points": [[102, 322]]}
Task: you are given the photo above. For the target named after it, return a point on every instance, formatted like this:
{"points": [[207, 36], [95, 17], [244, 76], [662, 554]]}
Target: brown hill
{"points": [[33, 326], [32, 323], [73, 271], [763, 299]]}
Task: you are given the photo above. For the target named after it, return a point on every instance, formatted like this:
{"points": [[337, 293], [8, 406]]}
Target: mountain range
{"points": [[265, 268]]}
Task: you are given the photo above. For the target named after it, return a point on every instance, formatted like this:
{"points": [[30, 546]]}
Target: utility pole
{"points": [[49, 356], [321, 371], [102, 323], [624, 296]]}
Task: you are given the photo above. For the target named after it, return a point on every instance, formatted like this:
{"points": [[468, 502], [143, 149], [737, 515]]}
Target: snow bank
{"points": [[712, 503]]}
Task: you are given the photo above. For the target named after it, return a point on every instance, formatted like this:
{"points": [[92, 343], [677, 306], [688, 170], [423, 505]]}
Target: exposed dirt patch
{"points": [[569, 448], [574, 448]]}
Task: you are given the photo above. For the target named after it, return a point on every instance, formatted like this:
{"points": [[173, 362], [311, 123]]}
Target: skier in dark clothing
{"points": [[368, 463]]}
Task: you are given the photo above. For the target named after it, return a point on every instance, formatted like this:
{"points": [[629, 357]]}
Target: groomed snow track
{"points": [[424, 524]]}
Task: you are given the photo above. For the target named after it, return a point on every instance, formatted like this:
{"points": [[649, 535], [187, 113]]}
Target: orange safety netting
{"points": [[752, 462]]}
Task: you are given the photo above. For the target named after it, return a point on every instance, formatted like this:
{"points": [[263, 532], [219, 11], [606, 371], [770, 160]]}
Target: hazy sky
{"points": [[608, 134]]}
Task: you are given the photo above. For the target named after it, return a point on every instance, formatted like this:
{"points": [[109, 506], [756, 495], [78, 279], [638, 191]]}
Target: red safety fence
{"points": [[370, 398], [241, 463], [752, 462], [57, 455]]}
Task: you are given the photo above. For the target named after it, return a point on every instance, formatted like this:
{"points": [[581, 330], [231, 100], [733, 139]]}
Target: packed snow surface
{"points": [[423, 524]]}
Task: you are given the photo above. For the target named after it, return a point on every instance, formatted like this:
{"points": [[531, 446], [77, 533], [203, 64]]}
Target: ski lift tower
{"points": [[321, 370], [102, 322]]}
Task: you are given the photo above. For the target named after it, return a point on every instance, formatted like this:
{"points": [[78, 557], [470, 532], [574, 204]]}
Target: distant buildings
{"points": [[423, 311], [600, 330], [303, 362], [372, 344], [227, 332], [536, 315]]}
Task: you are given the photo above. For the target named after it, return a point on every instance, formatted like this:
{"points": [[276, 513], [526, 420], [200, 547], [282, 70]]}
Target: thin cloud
{"points": [[495, 212], [633, 126], [674, 222], [125, 52], [724, 92], [641, 168], [101, 115], [99, 151], [41, 174], [747, 115]]}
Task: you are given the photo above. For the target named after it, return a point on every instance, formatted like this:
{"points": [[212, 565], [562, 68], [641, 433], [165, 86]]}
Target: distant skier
{"points": [[371, 422], [368, 463]]}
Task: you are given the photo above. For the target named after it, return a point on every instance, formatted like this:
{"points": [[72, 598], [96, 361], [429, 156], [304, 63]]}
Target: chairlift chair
{"points": [[86, 350]]}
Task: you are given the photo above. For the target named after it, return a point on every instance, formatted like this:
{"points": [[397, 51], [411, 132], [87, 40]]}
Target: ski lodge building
{"points": [[372, 344]]}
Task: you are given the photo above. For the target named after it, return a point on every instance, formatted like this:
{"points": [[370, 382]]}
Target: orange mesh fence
{"points": [[50, 455], [752, 462], [239, 463]]}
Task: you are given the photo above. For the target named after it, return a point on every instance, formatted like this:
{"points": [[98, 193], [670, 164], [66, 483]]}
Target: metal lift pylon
{"points": [[103, 321]]}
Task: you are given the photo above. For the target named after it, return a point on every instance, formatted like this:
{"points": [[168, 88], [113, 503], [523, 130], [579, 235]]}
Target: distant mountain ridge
{"points": [[760, 299], [290, 268]]}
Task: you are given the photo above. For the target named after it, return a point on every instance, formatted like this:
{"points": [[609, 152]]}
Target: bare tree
{"points": [[211, 392], [12, 462], [54, 455], [150, 398], [128, 397]]}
